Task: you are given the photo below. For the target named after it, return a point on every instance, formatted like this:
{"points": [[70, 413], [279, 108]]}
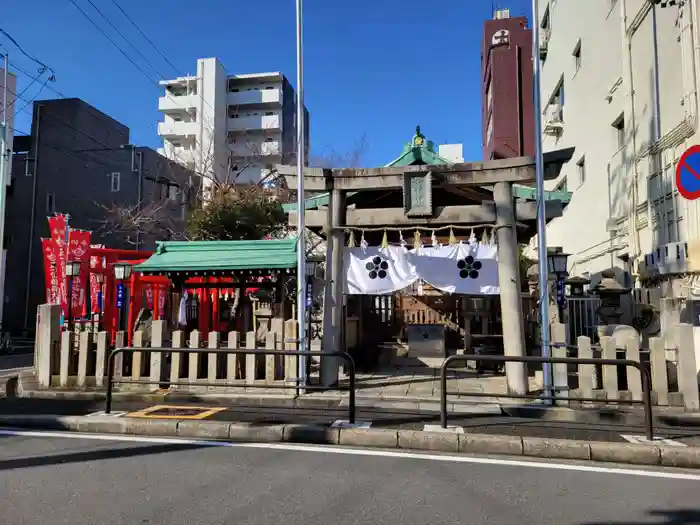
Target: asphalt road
{"points": [[493, 423], [13, 361], [55, 481]]}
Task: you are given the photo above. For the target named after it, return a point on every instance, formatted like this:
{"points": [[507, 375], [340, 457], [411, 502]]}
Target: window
{"points": [[619, 128], [562, 186], [577, 56], [173, 192], [489, 95], [50, 203], [581, 168], [489, 130], [556, 101], [115, 181], [545, 21]]}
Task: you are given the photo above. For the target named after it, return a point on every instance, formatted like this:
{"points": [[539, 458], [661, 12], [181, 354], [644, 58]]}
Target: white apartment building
{"points": [[620, 83], [229, 127]]}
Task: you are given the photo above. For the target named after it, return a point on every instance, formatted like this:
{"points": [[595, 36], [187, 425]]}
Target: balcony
{"points": [[255, 97], [256, 149], [255, 123], [177, 129], [178, 103]]}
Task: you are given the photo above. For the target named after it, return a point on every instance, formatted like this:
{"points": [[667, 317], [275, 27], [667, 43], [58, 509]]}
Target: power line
{"points": [[121, 50], [114, 44], [144, 36], [18, 68], [125, 39], [46, 118], [30, 57]]}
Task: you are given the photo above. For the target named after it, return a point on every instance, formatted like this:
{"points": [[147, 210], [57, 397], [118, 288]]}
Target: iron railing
{"points": [[111, 381], [642, 367]]}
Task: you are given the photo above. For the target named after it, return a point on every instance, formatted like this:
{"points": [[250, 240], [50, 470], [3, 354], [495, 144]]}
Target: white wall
{"points": [[595, 95]]}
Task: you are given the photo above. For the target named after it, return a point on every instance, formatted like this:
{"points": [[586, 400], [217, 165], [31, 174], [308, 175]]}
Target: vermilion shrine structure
{"points": [[420, 190]]}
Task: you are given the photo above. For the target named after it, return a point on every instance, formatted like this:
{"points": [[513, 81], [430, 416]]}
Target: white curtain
{"points": [[377, 271], [464, 268]]}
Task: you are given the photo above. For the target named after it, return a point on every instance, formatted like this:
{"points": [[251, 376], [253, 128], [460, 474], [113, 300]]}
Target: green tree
{"points": [[234, 212]]}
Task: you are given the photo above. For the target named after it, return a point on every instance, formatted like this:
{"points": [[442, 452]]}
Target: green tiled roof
{"points": [[207, 256]]}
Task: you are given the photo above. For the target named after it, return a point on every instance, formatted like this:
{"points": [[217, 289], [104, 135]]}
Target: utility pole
{"points": [[4, 174], [541, 220], [32, 218]]}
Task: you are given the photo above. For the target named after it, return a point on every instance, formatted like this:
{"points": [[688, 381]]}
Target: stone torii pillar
{"points": [[512, 318], [333, 318]]}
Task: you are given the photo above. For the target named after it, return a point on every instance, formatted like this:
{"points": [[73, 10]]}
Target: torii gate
{"points": [[430, 196]]}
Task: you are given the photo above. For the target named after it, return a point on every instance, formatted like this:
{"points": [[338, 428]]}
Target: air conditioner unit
{"points": [[675, 258], [651, 267], [544, 45], [660, 254], [553, 124]]}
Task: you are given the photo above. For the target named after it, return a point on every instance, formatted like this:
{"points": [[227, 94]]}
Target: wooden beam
{"points": [[459, 215], [517, 170]]}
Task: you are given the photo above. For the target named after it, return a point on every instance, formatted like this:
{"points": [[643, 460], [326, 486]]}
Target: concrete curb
{"points": [[657, 455], [269, 400]]}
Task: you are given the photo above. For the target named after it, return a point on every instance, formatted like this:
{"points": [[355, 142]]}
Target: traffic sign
{"points": [[688, 173]]}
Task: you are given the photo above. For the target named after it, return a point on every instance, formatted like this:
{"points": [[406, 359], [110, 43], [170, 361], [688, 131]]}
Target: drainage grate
{"points": [[176, 412]]}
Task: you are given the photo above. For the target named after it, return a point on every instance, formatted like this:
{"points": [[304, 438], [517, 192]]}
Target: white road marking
{"points": [[641, 440], [665, 474], [449, 430], [101, 413], [344, 423]]}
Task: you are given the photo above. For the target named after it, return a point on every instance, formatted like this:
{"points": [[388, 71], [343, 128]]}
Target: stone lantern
{"points": [[576, 285], [610, 292]]}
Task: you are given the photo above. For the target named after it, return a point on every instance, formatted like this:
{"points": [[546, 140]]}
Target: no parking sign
{"points": [[688, 173]]}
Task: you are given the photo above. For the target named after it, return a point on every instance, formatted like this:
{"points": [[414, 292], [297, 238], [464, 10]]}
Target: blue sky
{"points": [[374, 68]]}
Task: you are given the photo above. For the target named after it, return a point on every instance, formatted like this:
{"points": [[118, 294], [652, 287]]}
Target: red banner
{"points": [[96, 267], [50, 271], [149, 296], [57, 227], [161, 301], [79, 251]]}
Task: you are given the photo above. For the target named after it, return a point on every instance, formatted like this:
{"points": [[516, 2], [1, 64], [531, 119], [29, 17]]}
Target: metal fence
{"points": [[111, 380], [643, 370], [581, 313]]}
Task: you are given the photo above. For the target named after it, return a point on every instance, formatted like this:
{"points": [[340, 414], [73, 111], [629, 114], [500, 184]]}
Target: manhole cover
{"points": [[176, 412]]}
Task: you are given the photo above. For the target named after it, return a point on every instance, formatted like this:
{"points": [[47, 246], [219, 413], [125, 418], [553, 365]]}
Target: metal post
{"points": [[139, 197], [70, 303], [541, 223], [301, 237]]}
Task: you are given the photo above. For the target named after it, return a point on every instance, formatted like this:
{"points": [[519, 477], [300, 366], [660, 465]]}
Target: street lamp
{"points": [[72, 271], [557, 262], [122, 271]]}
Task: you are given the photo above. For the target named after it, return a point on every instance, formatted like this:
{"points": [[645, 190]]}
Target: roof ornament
{"points": [[418, 139]]}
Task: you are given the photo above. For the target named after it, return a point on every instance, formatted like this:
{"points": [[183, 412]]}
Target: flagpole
{"points": [[301, 237], [543, 273]]}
